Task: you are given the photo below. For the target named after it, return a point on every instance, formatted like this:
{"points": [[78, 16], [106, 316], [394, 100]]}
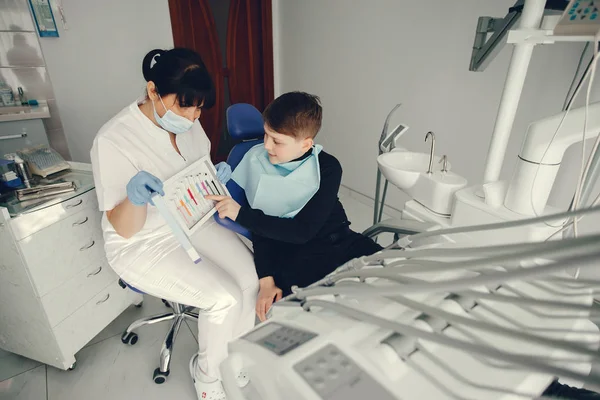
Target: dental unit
{"points": [[480, 295]]}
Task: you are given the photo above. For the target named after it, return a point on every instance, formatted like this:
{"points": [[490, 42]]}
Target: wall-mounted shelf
{"points": [[21, 113]]}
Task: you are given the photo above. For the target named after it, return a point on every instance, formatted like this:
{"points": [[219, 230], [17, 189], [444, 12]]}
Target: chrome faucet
{"points": [[431, 152]]}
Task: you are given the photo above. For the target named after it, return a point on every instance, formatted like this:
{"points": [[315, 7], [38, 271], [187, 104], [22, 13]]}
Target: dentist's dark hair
{"points": [[181, 72]]}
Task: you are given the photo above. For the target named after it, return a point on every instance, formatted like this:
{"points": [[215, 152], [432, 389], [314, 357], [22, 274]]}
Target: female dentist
{"points": [[146, 143]]}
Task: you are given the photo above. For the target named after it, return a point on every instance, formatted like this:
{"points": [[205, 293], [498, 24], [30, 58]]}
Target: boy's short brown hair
{"points": [[296, 114]]}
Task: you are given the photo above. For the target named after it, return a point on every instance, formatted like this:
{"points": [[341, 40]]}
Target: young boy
{"points": [[300, 231]]}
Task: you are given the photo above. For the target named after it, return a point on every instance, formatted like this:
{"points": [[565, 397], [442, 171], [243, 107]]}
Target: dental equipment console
{"points": [[479, 306]]}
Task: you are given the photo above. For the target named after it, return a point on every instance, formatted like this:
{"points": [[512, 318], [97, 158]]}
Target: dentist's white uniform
{"points": [[223, 285]]}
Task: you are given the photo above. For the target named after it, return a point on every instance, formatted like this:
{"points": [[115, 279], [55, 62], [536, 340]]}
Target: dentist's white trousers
{"points": [[224, 287]]}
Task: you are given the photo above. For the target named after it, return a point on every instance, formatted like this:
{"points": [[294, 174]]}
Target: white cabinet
{"points": [[57, 290]]}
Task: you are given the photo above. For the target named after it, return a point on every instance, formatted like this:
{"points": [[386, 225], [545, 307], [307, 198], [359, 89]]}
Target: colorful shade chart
{"points": [[187, 196], [184, 206]]}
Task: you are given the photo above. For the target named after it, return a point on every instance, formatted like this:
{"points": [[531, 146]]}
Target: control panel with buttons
{"points": [[334, 376], [581, 17], [278, 338]]}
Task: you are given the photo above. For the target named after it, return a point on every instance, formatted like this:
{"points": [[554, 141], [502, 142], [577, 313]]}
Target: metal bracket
{"points": [[484, 49]]}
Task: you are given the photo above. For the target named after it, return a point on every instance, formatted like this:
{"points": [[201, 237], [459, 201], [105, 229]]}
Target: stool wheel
{"points": [[166, 303], [130, 338], [139, 305], [72, 367], [160, 377]]}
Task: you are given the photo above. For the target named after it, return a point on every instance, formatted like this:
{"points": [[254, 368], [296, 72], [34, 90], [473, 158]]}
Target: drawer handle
{"points": [[75, 205], [81, 222], [88, 246], [95, 272], [104, 300]]}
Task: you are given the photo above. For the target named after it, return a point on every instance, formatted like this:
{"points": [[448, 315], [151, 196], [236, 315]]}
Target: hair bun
{"points": [[147, 63]]}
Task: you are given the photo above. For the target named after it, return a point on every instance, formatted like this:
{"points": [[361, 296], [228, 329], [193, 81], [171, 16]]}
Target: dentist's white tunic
{"points": [[224, 285]]}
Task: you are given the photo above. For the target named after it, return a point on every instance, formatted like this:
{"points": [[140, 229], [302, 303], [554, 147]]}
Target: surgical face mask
{"points": [[172, 122]]}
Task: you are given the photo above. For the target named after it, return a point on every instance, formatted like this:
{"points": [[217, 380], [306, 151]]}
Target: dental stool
{"points": [[245, 124], [179, 313]]}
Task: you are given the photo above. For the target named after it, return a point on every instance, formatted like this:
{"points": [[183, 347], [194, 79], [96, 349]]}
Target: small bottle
{"points": [[6, 94], [22, 97]]}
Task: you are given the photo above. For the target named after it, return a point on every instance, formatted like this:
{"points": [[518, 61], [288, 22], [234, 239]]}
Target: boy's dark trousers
{"points": [[564, 392], [312, 261]]}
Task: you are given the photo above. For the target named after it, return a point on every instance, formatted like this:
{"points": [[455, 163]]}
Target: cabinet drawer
{"points": [[28, 224], [59, 251], [82, 326], [77, 291]]}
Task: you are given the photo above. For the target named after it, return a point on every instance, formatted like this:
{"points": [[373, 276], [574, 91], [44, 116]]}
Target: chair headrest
{"points": [[244, 122]]}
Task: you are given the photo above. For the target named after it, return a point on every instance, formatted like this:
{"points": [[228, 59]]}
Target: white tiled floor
{"points": [[108, 369]]}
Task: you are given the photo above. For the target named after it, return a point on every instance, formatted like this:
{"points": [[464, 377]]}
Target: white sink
{"points": [[408, 171]]}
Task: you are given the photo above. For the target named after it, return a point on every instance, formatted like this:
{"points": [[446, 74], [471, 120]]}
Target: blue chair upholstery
{"points": [[245, 123]]}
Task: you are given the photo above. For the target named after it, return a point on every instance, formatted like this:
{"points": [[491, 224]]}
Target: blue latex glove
{"points": [[223, 172], [141, 188]]}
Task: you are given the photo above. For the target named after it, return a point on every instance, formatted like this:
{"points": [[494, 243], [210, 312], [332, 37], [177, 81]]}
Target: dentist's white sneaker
{"points": [[206, 388]]}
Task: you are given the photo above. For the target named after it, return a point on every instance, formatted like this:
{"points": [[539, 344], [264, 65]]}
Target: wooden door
{"points": [[248, 66]]}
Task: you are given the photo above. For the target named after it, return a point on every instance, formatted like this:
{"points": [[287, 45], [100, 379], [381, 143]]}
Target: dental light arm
{"points": [[541, 155], [540, 135]]}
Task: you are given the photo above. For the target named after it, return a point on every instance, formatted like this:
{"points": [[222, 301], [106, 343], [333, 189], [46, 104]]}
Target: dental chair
{"points": [[245, 124]]}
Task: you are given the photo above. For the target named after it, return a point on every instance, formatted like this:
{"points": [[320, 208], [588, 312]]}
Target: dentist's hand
{"points": [[223, 172], [226, 206], [141, 188]]}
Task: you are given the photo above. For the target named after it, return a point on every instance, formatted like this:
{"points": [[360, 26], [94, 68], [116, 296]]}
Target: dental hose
{"points": [[407, 240]]}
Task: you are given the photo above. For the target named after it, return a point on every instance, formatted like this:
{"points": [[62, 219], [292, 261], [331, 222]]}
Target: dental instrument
{"points": [[198, 196], [183, 214], [187, 203], [216, 191]]}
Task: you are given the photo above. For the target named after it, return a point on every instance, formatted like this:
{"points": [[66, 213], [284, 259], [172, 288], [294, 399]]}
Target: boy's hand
{"points": [[226, 206], [268, 292]]}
